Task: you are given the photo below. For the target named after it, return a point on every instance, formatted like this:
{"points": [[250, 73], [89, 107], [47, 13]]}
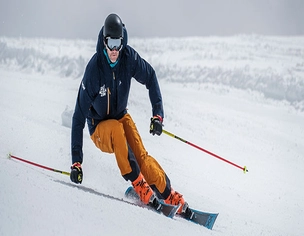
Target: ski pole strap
{"points": [[206, 151]]}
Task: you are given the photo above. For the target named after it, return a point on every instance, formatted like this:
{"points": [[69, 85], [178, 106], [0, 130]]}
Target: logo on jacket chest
{"points": [[103, 91]]}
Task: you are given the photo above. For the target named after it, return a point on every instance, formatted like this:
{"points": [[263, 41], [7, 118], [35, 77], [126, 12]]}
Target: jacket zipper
{"points": [[109, 93], [114, 76]]}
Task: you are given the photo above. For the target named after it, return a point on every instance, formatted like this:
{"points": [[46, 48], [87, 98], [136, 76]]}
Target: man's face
{"points": [[113, 55]]}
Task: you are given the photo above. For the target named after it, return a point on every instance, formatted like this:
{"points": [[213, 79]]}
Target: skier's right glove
{"points": [[76, 173]]}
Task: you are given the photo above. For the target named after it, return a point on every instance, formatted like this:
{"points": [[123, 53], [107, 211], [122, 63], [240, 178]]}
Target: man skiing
{"points": [[102, 101]]}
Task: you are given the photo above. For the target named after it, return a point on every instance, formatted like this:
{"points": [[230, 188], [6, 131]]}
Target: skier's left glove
{"points": [[156, 125], [76, 173]]}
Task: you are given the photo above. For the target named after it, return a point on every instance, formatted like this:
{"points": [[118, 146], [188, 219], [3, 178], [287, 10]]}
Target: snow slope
{"points": [[240, 97]]}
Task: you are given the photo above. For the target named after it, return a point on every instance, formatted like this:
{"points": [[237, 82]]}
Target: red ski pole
{"points": [[38, 165], [204, 150]]}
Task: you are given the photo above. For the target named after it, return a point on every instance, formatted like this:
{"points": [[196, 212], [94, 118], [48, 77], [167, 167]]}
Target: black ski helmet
{"points": [[113, 27]]}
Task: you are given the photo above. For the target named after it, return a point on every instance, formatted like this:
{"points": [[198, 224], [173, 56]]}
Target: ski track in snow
{"points": [[240, 97]]}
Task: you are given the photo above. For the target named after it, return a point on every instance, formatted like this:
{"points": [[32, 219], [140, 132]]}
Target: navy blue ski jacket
{"points": [[104, 91]]}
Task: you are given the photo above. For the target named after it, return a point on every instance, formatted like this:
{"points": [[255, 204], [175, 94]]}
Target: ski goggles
{"points": [[113, 43]]}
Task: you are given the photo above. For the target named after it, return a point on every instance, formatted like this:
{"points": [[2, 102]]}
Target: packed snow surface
{"points": [[239, 97]]}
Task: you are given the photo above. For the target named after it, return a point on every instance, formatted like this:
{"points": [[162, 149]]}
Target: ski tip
{"points": [[212, 221], [9, 155], [245, 169], [128, 190]]}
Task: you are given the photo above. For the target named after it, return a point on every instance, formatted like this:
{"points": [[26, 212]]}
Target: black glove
{"points": [[76, 173], [156, 125]]}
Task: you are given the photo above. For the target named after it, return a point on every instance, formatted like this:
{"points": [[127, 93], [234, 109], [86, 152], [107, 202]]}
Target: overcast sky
{"points": [[154, 18]]}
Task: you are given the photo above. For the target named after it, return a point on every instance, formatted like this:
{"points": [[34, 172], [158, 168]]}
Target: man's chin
{"points": [[113, 59]]}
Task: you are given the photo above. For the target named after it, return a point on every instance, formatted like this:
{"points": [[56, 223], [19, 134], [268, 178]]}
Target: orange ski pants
{"points": [[114, 136]]}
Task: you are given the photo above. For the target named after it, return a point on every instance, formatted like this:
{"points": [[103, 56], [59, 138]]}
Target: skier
{"points": [[102, 101]]}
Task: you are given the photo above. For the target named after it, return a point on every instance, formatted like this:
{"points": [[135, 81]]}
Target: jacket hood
{"points": [[100, 45]]}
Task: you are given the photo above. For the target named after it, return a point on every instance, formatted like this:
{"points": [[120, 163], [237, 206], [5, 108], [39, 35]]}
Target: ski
{"points": [[158, 206], [205, 219]]}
